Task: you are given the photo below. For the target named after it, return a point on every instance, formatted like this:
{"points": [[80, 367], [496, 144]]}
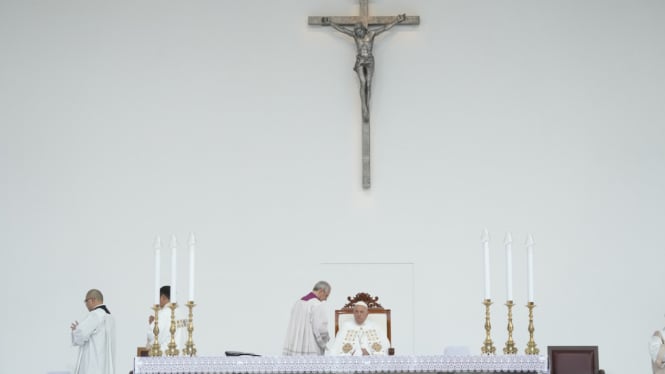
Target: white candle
{"points": [[486, 261], [529, 266], [509, 267], [192, 244], [174, 284], [157, 246]]}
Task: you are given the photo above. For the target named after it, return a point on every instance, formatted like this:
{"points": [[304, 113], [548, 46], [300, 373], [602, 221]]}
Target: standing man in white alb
{"points": [[360, 337], [308, 333], [164, 324], [95, 337], [657, 351]]}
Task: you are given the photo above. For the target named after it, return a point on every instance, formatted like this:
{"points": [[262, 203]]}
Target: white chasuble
{"points": [[358, 340]]}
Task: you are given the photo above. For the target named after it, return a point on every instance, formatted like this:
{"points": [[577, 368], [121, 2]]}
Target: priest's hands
{"points": [[151, 319], [74, 325]]}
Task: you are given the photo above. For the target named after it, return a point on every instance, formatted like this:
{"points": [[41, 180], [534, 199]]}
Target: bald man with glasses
{"points": [[95, 337]]}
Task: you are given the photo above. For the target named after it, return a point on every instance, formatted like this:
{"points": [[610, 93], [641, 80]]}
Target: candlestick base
{"points": [[190, 349], [156, 349], [531, 347], [172, 347], [510, 348], [488, 346]]}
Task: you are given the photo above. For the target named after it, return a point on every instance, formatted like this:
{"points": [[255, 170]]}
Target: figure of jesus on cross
{"points": [[364, 38]]}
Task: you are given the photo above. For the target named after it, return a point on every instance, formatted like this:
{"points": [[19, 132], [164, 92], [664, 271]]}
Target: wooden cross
{"points": [[364, 50]]}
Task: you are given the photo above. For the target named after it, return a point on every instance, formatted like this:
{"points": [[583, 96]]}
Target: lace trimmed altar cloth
{"points": [[343, 365]]}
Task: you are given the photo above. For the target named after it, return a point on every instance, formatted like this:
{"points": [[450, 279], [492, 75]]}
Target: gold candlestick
{"points": [[172, 350], [531, 348], [510, 348], [488, 345], [156, 350], [190, 350]]}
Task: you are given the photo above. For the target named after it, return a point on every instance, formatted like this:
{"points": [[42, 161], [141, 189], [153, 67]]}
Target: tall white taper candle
{"points": [[174, 268], [486, 261], [529, 266], [158, 246], [509, 266], [192, 244]]}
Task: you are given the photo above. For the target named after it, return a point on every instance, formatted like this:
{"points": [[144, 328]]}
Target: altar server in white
{"points": [[95, 337], [360, 337], [308, 333], [164, 322], [657, 351]]}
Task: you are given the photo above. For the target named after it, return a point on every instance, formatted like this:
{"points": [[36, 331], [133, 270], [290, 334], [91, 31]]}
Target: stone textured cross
{"points": [[364, 39]]}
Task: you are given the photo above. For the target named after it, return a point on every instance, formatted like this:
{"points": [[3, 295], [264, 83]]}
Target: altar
{"points": [[347, 365]]}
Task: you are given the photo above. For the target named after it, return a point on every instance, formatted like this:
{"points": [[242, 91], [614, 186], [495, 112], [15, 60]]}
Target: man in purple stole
{"points": [[308, 327]]}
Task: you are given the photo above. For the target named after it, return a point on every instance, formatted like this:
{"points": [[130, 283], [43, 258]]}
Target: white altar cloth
{"points": [[344, 365]]}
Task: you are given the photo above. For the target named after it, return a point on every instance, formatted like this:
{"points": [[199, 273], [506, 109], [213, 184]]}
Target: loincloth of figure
{"points": [[363, 61]]}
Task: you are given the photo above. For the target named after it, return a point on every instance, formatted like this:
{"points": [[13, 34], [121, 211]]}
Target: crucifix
{"points": [[363, 30]]}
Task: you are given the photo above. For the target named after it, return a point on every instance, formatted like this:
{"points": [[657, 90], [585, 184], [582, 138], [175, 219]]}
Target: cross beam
{"points": [[363, 18]]}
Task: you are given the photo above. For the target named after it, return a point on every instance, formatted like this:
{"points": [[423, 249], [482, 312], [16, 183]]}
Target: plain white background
{"points": [[237, 121]]}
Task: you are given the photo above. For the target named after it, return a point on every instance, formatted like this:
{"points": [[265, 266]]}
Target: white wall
{"points": [[234, 119]]}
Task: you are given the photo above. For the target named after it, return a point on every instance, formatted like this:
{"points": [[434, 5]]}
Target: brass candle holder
{"points": [[488, 346], [155, 349], [172, 350], [531, 348], [510, 348], [190, 350]]}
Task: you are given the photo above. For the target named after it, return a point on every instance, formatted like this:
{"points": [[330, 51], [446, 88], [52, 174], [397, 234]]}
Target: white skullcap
{"points": [[361, 303]]}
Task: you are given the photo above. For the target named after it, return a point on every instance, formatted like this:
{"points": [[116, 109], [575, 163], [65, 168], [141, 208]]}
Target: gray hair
{"points": [[322, 285], [95, 294]]}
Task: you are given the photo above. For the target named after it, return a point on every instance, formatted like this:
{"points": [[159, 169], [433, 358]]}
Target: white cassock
{"points": [[353, 338], [307, 333], [657, 352], [164, 320], [95, 337]]}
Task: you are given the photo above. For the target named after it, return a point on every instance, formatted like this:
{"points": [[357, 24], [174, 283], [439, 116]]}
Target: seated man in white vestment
{"points": [[95, 337], [360, 337], [164, 322]]}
